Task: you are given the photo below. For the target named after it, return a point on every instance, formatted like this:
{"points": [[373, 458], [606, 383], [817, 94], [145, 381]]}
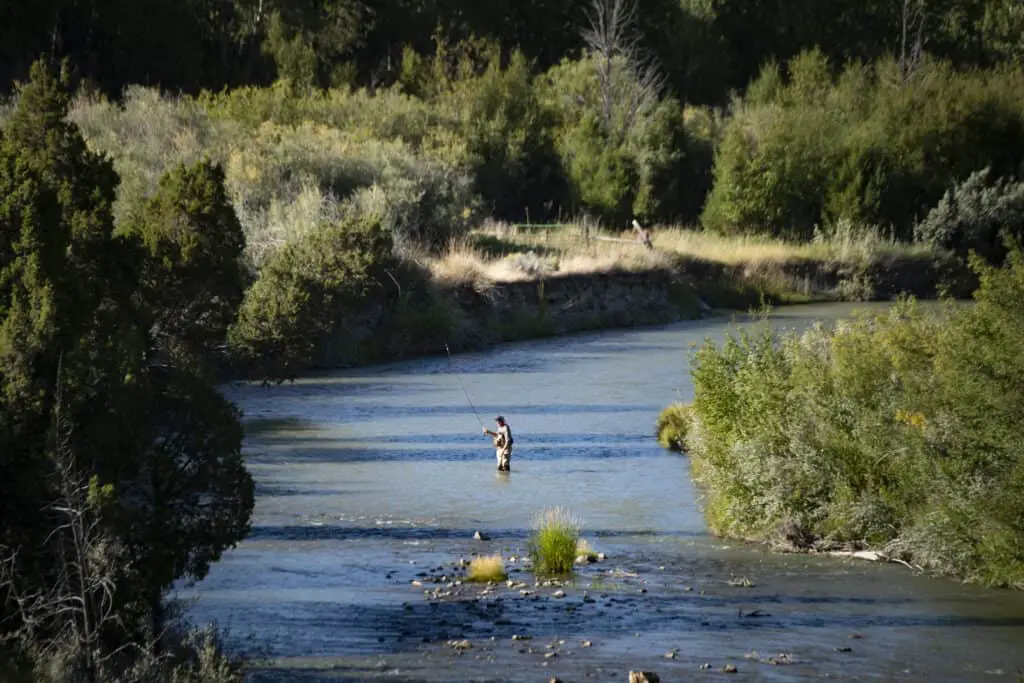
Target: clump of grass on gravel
{"points": [[487, 569], [556, 532]]}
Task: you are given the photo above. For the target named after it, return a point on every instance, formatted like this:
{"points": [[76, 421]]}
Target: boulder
{"points": [[643, 677]]}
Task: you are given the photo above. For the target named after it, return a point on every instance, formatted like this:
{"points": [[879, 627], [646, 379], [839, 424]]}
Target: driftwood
{"points": [[616, 239], [873, 556]]}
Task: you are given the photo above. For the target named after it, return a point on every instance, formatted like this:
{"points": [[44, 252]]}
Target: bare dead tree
{"points": [[913, 19], [628, 76]]}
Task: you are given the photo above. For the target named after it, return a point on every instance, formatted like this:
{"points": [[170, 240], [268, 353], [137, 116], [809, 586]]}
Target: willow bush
{"points": [[898, 432], [806, 147]]}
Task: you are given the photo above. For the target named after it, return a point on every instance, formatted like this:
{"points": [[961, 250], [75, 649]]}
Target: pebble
{"points": [[586, 643], [844, 649], [705, 667], [460, 644], [519, 637], [559, 594], [729, 669], [481, 536], [671, 654]]}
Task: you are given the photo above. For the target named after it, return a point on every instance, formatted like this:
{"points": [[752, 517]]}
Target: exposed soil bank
{"points": [[476, 316]]}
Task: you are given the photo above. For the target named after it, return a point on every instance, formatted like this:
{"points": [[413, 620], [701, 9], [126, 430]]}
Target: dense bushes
{"points": [[306, 291], [192, 272], [898, 432], [625, 148], [975, 216], [808, 149]]}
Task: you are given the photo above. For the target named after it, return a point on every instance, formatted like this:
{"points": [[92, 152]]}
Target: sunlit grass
{"points": [[505, 253], [674, 425], [556, 532], [489, 569]]}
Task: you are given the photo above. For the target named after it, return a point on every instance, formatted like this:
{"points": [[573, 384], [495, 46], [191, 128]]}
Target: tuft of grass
{"points": [[487, 569], [556, 532], [674, 424]]}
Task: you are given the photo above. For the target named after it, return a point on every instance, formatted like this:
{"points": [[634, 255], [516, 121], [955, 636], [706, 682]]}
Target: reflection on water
{"points": [[364, 477]]}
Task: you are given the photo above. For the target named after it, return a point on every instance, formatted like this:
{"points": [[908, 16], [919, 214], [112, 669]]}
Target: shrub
{"points": [[674, 424], [487, 569], [192, 277], [556, 532], [808, 150], [305, 293], [292, 162], [507, 134], [896, 432], [636, 158], [973, 215]]}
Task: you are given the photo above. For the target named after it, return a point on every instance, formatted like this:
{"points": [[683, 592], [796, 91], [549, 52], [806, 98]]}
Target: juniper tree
{"points": [[192, 274], [162, 441]]}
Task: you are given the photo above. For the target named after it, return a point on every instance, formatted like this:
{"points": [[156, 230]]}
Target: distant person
{"points": [[502, 444]]}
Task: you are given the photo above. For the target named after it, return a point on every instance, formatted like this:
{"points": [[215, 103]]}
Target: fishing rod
{"points": [[451, 365]]}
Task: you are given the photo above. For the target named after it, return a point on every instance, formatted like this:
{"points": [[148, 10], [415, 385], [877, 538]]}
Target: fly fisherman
{"points": [[502, 443]]}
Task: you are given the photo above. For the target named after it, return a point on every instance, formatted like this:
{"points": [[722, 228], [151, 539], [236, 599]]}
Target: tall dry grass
{"points": [[500, 252]]}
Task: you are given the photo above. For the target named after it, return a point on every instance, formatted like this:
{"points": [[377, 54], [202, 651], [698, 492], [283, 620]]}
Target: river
{"points": [[372, 479]]}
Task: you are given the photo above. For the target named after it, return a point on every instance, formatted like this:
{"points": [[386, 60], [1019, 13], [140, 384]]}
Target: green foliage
{"points": [[865, 147], [116, 476], [192, 278], [62, 277], [307, 291], [625, 150], [896, 432], [556, 532], [674, 425], [974, 214], [508, 136]]}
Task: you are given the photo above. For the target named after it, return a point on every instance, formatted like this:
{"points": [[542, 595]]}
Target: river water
{"points": [[369, 480]]}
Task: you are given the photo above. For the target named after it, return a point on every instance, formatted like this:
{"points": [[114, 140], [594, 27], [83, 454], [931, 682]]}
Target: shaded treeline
{"points": [[120, 462], [706, 47]]}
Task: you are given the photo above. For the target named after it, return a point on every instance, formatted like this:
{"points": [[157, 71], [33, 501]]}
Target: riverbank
{"points": [[523, 285], [895, 434]]}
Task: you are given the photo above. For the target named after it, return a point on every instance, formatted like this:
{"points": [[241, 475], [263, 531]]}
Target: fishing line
{"points": [[451, 365]]}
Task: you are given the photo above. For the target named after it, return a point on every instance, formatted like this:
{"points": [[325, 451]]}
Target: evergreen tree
{"points": [[76, 362], [192, 275]]}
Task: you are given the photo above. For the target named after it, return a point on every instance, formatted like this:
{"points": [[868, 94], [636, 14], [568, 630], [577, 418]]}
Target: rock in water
{"points": [[643, 677], [480, 536]]}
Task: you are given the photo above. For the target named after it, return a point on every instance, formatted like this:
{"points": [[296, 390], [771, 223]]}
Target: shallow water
{"points": [[368, 478]]}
